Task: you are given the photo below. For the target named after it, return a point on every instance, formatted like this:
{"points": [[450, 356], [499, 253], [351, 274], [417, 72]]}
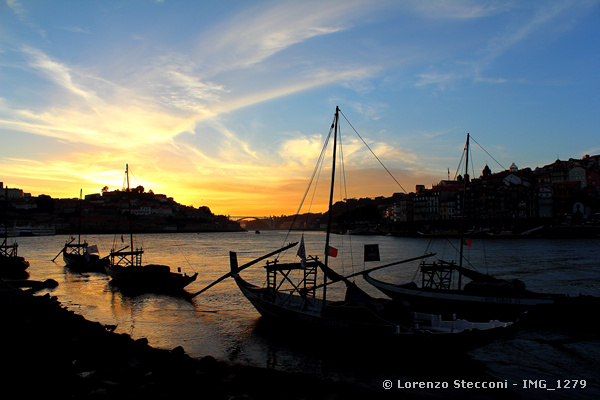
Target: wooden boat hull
{"points": [[462, 304], [361, 325], [85, 263], [142, 279]]}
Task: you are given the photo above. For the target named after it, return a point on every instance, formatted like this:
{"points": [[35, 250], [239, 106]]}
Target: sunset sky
{"points": [[226, 104]]}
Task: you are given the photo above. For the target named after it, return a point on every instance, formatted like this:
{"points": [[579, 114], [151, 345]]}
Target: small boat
{"points": [[126, 270], [292, 295], [481, 299], [80, 256], [11, 264]]}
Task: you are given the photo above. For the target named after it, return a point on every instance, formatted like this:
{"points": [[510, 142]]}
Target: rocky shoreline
{"points": [[51, 351]]}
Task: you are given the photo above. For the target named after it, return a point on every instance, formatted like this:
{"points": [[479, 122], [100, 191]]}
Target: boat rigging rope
{"points": [[317, 173], [344, 195], [183, 254], [486, 152], [471, 155], [374, 155]]}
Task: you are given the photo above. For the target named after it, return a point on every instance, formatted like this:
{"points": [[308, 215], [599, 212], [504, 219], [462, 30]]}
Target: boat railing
{"points": [[437, 275], [8, 250], [127, 258], [280, 279]]}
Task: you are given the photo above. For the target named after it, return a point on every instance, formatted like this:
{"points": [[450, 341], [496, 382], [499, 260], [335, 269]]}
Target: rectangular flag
{"points": [[332, 251], [371, 252], [302, 253], [467, 242]]}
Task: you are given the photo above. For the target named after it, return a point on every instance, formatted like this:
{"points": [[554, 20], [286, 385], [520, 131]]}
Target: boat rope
{"points": [[182, 253], [460, 163], [344, 195], [486, 152], [316, 173], [487, 269], [373, 153]]}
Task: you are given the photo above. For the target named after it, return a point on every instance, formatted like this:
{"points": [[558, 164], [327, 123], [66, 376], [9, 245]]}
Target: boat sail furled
{"points": [[127, 271], [294, 294]]}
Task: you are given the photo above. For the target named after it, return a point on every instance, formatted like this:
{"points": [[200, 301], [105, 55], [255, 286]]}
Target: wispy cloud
{"points": [[23, 15], [57, 72], [526, 20], [256, 34], [459, 9], [542, 15], [76, 29]]}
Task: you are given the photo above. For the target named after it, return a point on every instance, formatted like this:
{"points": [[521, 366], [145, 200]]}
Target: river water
{"points": [[223, 324]]}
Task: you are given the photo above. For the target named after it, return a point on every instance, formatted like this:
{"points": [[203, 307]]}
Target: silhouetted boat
{"points": [[11, 264], [484, 297], [83, 258], [127, 271], [292, 295], [80, 256]]}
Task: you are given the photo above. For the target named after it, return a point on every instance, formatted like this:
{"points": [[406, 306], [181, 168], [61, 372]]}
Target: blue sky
{"points": [[226, 103]]}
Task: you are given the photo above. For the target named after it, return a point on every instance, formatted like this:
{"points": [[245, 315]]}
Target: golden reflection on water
{"points": [[222, 323]]}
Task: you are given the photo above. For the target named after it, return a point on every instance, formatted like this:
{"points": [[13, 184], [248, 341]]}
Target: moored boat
{"points": [[127, 271], [450, 288], [11, 264], [293, 295], [83, 258]]}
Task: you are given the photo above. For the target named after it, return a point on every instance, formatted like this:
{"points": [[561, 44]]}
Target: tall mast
{"points": [[129, 201], [5, 215], [330, 216], [79, 227], [462, 218]]}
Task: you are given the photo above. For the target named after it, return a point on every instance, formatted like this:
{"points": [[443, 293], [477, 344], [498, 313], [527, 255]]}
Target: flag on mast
{"points": [[371, 252], [302, 253], [332, 251]]}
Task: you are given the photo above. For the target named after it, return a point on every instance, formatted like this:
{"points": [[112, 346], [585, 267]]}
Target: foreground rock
{"points": [[50, 351]]}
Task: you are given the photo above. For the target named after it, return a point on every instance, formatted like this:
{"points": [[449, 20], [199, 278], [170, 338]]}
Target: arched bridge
{"points": [[238, 219], [261, 222]]}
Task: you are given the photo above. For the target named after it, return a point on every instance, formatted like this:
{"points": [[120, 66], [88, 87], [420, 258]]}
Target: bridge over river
{"points": [[262, 222]]}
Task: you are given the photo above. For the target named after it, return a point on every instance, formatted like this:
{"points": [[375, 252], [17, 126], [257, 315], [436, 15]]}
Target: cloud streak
{"points": [[167, 94], [252, 36]]}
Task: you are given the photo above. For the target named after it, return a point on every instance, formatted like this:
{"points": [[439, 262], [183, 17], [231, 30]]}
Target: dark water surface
{"points": [[222, 323]]}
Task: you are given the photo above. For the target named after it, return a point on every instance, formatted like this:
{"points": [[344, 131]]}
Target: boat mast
{"points": [[330, 216], [79, 227], [130, 223], [462, 218], [5, 217]]}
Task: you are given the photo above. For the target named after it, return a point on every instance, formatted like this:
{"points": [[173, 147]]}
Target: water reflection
{"points": [[222, 323]]}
